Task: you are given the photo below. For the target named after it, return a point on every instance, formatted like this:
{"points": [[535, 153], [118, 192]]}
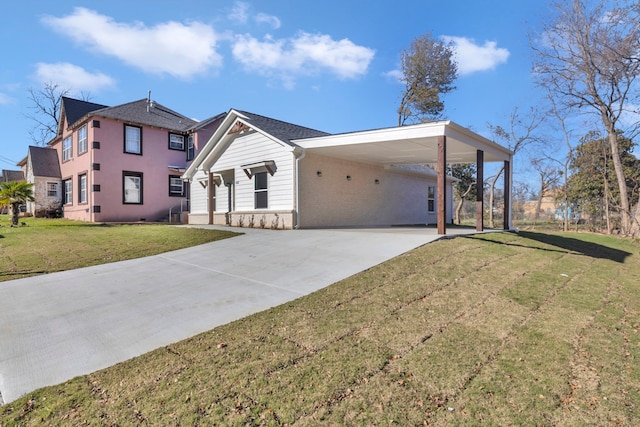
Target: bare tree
{"points": [[428, 72], [548, 177], [521, 132], [45, 106], [587, 57]]}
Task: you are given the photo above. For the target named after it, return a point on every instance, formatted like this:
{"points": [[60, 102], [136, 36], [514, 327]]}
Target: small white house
{"points": [[260, 172]]}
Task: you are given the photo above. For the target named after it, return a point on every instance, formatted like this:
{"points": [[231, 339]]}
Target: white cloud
{"points": [[472, 57], [5, 99], [302, 55], [72, 77], [263, 18], [180, 50], [394, 75], [239, 13]]}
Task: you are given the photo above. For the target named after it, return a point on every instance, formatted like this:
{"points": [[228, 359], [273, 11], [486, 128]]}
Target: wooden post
{"points": [[479, 190], [210, 190], [442, 185], [507, 195]]}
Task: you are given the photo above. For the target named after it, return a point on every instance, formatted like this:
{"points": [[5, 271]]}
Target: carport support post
{"points": [[507, 195], [479, 190], [442, 184], [210, 194]]}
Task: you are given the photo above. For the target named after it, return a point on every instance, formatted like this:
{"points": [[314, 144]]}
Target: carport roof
{"points": [[414, 144]]}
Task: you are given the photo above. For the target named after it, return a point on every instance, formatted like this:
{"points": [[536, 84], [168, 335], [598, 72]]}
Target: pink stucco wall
{"points": [[112, 160]]}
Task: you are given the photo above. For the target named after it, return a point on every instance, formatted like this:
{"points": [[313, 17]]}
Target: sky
{"points": [[328, 65]]}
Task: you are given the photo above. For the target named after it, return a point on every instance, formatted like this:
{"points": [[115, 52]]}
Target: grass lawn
{"points": [[49, 245], [495, 329]]}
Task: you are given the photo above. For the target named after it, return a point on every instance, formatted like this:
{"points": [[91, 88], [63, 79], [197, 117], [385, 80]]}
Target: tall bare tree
{"points": [[588, 57], [548, 178], [428, 72], [45, 105], [520, 133]]}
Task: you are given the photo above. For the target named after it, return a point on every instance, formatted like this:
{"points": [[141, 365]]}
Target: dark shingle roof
{"points": [[76, 109], [44, 162], [9, 176], [157, 115], [285, 132]]}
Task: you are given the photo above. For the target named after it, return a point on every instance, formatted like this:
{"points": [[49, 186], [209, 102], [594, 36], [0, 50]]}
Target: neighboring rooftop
{"points": [[9, 176], [44, 162]]}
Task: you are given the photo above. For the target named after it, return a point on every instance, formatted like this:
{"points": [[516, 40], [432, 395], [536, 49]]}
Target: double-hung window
{"points": [[82, 140], [68, 191], [82, 188], [176, 186], [52, 189], [176, 141], [67, 148], [132, 139], [132, 187], [431, 199], [261, 200], [191, 151]]}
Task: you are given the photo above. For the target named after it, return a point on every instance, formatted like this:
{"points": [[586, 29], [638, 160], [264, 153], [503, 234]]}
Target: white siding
{"points": [[254, 148], [198, 194]]}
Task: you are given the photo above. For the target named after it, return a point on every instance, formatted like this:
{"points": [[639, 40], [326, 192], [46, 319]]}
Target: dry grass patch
{"points": [[496, 329]]}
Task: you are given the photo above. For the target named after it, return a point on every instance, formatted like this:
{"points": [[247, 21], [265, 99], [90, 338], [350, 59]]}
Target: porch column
{"points": [[442, 184], [210, 195], [507, 195], [479, 190]]}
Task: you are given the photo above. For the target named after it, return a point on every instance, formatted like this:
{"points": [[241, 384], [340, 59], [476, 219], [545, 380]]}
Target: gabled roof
{"points": [[206, 122], [151, 114], [278, 130], [285, 132], [10, 176], [44, 162], [75, 109]]}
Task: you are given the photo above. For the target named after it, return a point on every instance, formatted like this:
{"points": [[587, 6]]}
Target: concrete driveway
{"points": [[57, 326]]}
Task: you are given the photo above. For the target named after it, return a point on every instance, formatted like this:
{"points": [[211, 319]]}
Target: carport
{"points": [[436, 144]]}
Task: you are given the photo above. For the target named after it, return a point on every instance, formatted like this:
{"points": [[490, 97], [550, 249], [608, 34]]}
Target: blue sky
{"points": [[327, 65]]}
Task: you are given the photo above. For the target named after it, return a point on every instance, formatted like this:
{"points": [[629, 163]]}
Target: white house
{"points": [[260, 172]]}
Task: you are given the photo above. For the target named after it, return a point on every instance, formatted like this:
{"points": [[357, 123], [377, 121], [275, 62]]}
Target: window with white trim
{"points": [[176, 141], [68, 192], [431, 199], [82, 140], [52, 189], [132, 139], [82, 188], [176, 186], [67, 148], [261, 200], [132, 187]]}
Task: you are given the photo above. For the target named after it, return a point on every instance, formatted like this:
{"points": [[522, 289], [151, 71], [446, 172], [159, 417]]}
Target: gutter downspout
{"points": [[299, 154]]}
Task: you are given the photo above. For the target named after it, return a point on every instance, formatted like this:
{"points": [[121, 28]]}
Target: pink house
{"points": [[124, 163]]}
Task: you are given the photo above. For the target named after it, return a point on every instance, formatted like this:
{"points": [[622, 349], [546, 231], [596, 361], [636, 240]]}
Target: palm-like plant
{"points": [[14, 194]]}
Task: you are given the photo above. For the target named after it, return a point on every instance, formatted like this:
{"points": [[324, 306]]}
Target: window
{"points": [[132, 187], [176, 142], [176, 186], [191, 148], [82, 188], [132, 139], [68, 192], [52, 189], [260, 185], [67, 149], [431, 199], [82, 140]]}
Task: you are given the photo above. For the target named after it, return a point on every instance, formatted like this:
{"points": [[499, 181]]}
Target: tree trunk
{"points": [[625, 212], [492, 187], [458, 210], [15, 211]]}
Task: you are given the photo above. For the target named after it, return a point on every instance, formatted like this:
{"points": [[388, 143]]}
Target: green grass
{"points": [[496, 329], [48, 245]]}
